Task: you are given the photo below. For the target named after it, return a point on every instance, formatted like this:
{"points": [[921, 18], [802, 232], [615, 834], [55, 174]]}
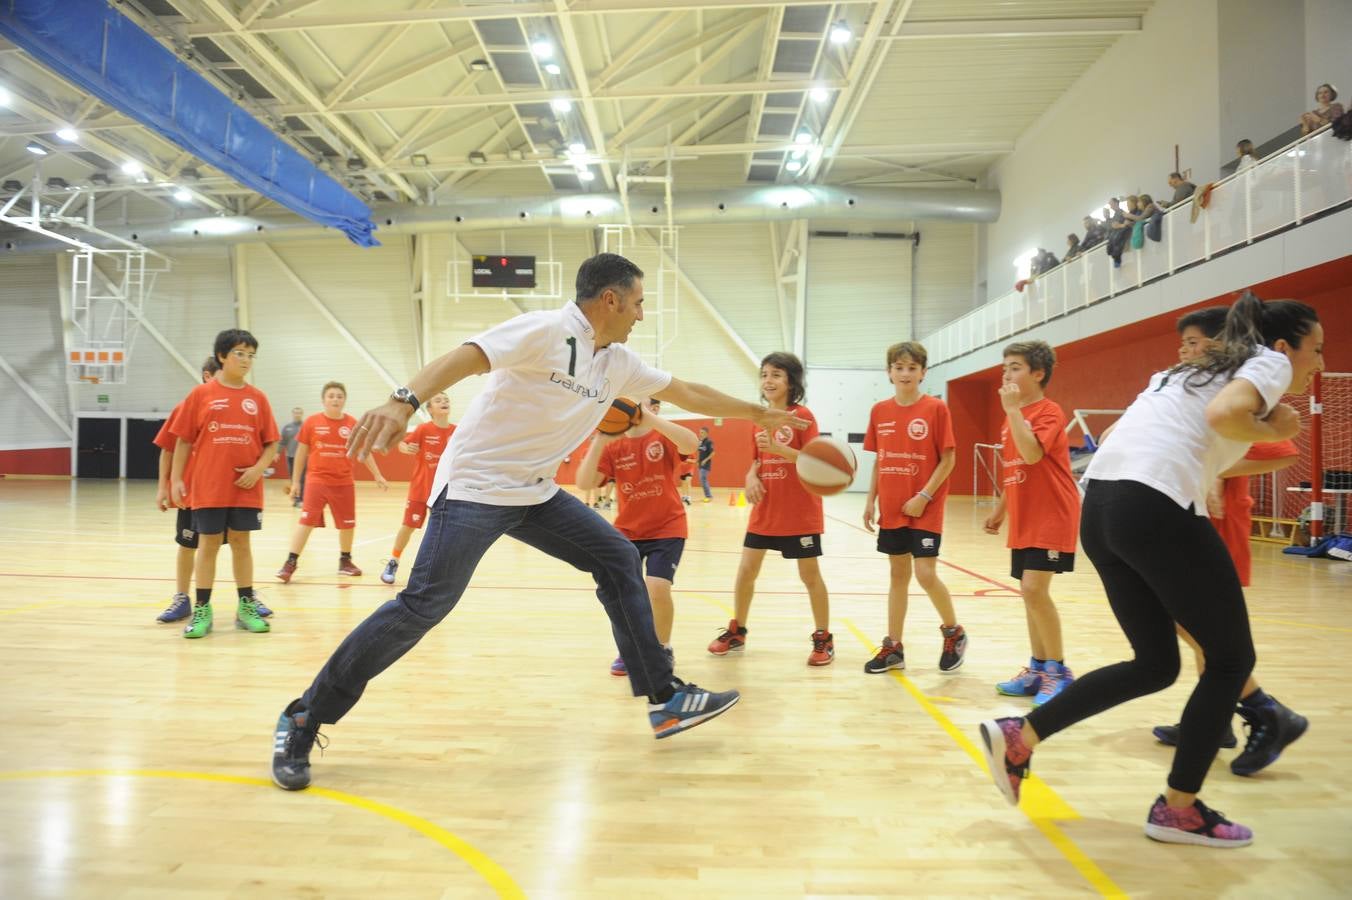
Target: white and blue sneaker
{"points": [[1024, 684], [178, 610], [391, 567], [688, 707], [1055, 678]]}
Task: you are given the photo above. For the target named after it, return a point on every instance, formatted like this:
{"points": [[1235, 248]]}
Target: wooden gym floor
{"points": [[501, 757]]}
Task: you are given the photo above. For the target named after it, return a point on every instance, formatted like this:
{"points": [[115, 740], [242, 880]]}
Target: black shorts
{"points": [[185, 535], [224, 519], [798, 546], [661, 557], [1036, 559], [913, 541]]}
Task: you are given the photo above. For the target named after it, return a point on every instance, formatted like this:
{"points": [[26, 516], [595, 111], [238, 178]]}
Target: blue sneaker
{"points": [[292, 740], [262, 610], [178, 610], [688, 707], [617, 667], [391, 567], [1055, 677], [1024, 684]]}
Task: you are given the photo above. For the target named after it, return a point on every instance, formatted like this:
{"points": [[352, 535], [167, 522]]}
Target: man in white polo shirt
{"points": [[553, 375]]}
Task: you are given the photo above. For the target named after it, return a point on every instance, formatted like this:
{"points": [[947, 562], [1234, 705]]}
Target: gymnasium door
{"points": [[143, 457], [100, 443]]}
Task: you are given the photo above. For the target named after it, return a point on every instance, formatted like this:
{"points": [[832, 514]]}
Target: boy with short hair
{"points": [[427, 442], [226, 426], [321, 457], [290, 431], [644, 462], [1043, 504], [912, 435]]}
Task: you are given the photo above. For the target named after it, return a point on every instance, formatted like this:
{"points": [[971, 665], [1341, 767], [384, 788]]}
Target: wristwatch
{"points": [[404, 395]]}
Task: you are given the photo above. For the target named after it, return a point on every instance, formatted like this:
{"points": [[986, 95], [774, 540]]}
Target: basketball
{"points": [[623, 413], [826, 466]]}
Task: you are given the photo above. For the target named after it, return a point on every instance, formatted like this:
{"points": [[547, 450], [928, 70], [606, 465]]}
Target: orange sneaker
{"points": [[823, 649], [731, 640]]}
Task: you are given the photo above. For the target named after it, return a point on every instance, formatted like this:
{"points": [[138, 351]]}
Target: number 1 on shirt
{"points": [[572, 356]]}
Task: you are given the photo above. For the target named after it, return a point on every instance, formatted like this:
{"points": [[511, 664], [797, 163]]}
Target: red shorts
{"points": [[340, 498], [415, 512]]}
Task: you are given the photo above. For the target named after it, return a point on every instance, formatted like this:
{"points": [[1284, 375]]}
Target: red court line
{"points": [[985, 578]]}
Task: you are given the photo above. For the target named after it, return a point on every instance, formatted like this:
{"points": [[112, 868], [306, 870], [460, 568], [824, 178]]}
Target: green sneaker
{"points": [[247, 617], [200, 626]]}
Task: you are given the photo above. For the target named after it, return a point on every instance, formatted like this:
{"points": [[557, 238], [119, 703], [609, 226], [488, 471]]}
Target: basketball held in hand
{"points": [[622, 415], [826, 466]]}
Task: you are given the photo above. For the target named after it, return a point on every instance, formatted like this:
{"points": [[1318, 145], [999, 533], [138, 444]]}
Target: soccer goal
{"points": [[1314, 493]]}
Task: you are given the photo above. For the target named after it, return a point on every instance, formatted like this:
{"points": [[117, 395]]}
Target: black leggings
{"points": [[1161, 564]]}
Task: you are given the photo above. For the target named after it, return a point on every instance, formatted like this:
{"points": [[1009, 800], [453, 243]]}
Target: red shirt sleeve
{"points": [[605, 466], [267, 429], [307, 433], [943, 423], [871, 434], [1272, 450], [188, 423]]}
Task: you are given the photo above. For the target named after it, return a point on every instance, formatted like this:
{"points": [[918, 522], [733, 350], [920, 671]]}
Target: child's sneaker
{"points": [[391, 567], [732, 639], [286, 571], [1024, 684], [1006, 755], [1196, 824], [292, 741], [262, 610], [1168, 735], [179, 609], [1055, 678], [1271, 729], [823, 648], [247, 617], [688, 707], [347, 567], [200, 626], [955, 648], [618, 667], [889, 656]]}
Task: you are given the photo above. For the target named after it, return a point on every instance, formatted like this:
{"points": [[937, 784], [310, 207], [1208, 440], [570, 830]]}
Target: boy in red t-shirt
{"points": [[227, 429], [184, 535], [321, 456], [912, 435], [644, 463], [784, 516], [428, 441], [1044, 511]]}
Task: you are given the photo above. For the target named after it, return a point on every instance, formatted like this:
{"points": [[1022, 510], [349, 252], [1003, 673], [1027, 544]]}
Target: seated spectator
{"points": [[1049, 260], [1150, 216], [1094, 233], [1247, 158], [1073, 248], [1182, 189], [1324, 112]]}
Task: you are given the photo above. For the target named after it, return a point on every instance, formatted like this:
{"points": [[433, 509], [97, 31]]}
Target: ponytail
{"points": [[1250, 324]]}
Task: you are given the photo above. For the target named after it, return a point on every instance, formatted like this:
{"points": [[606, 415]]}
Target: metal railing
{"points": [[1299, 181]]}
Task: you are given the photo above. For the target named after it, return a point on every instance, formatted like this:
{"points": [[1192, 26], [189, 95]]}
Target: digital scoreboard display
{"points": [[503, 272]]}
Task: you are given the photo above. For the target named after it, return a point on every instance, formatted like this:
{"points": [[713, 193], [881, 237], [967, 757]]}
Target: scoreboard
{"points": [[503, 272]]}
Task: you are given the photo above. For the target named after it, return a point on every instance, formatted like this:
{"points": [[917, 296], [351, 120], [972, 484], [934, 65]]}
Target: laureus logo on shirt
{"points": [[918, 429], [250, 406], [655, 452], [577, 387]]}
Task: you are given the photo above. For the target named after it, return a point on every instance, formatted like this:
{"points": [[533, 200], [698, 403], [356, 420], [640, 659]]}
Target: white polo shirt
{"points": [[547, 391], [1163, 440]]}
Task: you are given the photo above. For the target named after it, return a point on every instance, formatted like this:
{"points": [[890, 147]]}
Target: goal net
{"points": [[1288, 494]]}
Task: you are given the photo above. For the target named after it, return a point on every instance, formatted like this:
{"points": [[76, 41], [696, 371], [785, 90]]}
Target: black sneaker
{"points": [[1168, 735], [955, 648], [1271, 730], [291, 745]]}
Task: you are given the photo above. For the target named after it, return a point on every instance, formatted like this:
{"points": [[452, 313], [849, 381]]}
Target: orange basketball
{"points": [[622, 415], [826, 466]]}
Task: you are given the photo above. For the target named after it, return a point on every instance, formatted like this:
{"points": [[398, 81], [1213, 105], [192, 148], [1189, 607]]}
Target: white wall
{"points": [[1328, 56], [1260, 90], [858, 300], [30, 342], [1112, 133]]}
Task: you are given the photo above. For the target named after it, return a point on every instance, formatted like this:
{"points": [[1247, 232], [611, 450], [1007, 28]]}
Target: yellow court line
{"points": [[1038, 801], [491, 872]]}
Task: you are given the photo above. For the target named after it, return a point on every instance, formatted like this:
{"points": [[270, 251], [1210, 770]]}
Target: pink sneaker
{"points": [[1196, 824], [1006, 755]]}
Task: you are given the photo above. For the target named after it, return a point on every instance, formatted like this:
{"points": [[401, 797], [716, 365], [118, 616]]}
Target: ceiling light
{"points": [[840, 32], [820, 95], [69, 135], [478, 158], [36, 149], [586, 175], [793, 165], [542, 49], [553, 69], [5, 98], [798, 152], [132, 167], [803, 136], [479, 65], [183, 195], [577, 148], [561, 105]]}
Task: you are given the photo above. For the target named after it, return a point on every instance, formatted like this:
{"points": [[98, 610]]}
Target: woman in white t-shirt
{"points": [[1145, 528]]}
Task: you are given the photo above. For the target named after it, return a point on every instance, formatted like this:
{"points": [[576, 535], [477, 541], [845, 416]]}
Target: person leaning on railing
{"points": [[1324, 112]]}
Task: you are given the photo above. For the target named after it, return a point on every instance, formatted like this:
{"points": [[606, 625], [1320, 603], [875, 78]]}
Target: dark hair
{"points": [[230, 339], [1332, 90], [604, 270], [1249, 324], [1244, 144], [1146, 200], [793, 367], [1177, 175], [1209, 321], [332, 384], [212, 365], [1073, 238], [1038, 354], [914, 349]]}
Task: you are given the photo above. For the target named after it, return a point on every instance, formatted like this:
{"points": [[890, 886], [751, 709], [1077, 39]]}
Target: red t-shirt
{"points": [[788, 509], [432, 441], [228, 428], [909, 441], [328, 462], [166, 441], [644, 470], [1042, 501], [1235, 529]]}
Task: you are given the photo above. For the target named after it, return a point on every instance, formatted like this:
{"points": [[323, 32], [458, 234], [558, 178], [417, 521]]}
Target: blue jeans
{"points": [[704, 483], [459, 533]]}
